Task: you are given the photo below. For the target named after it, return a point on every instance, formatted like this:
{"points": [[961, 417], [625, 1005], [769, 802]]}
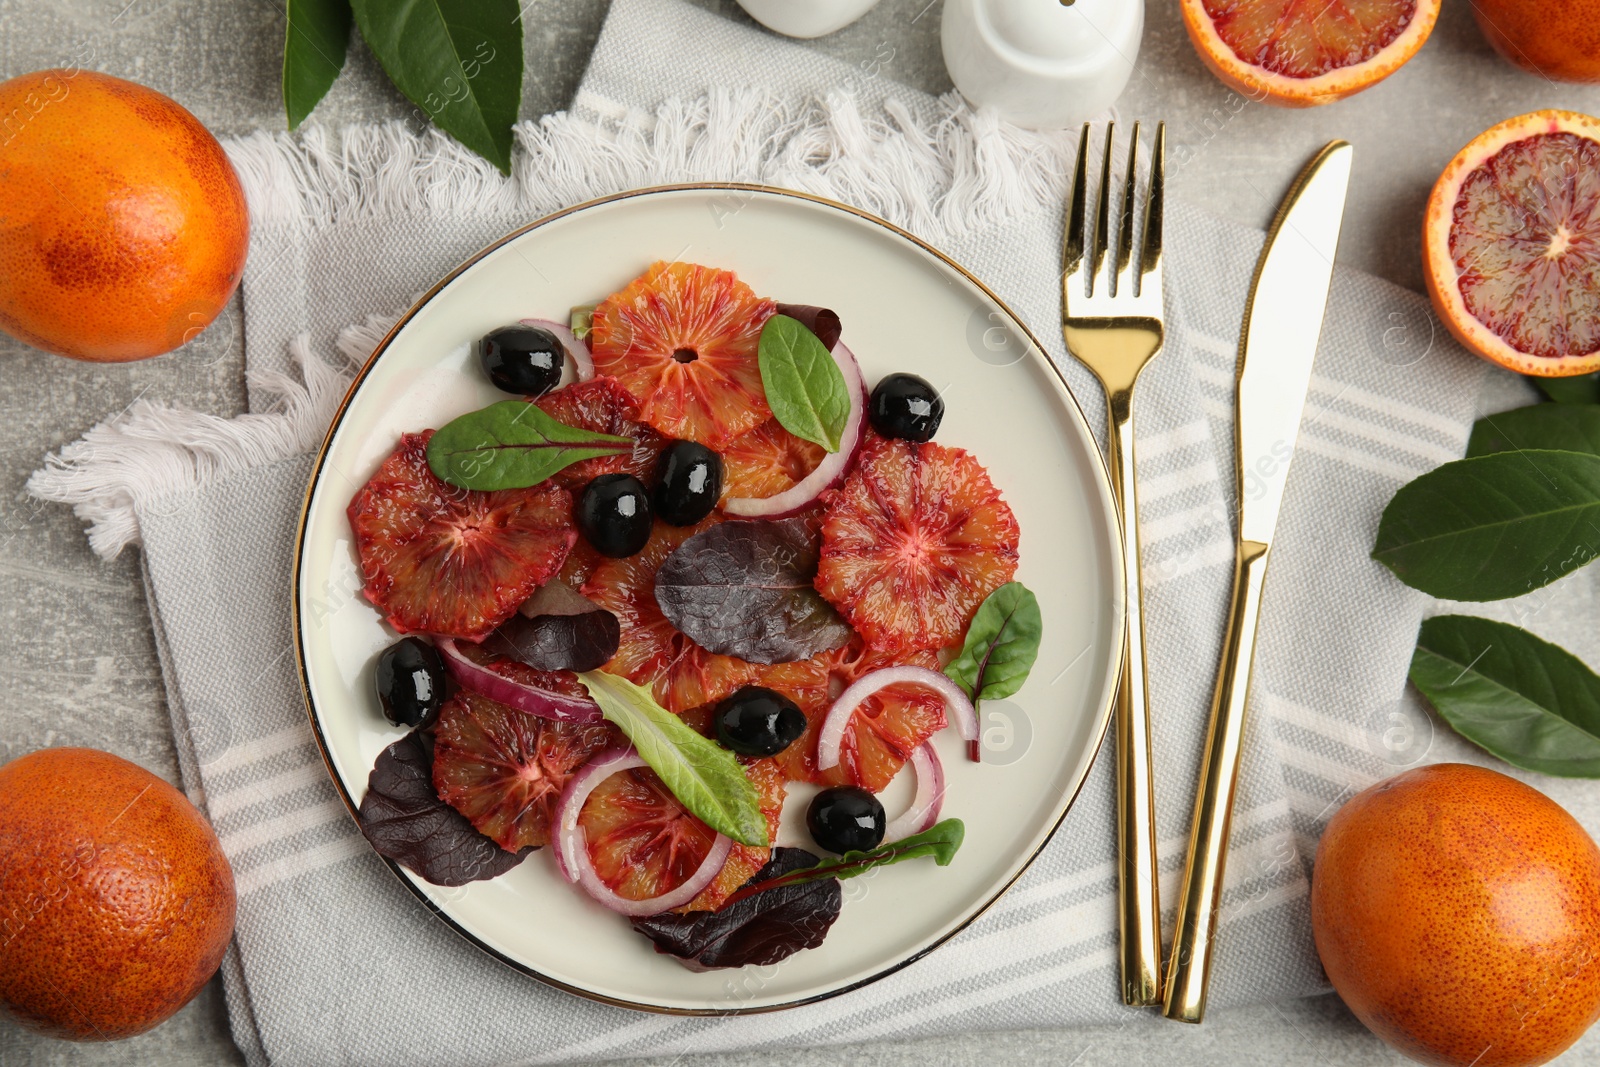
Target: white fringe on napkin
{"points": [[939, 173]]}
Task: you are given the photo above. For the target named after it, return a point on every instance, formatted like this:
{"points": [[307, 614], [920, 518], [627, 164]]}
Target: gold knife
{"points": [[1282, 322]]}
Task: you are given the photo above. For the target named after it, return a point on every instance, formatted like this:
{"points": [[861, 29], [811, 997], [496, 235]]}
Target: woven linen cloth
{"points": [[335, 962]]}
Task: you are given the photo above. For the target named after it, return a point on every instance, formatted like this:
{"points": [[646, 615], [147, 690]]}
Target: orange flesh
{"points": [[641, 840], [1307, 38], [1525, 241], [767, 461]]}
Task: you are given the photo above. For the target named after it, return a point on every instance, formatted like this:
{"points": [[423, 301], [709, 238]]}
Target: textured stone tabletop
{"points": [[81, 666]]}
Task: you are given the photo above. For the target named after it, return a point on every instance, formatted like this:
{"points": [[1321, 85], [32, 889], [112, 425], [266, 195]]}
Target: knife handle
{"points": [[1189, 965], [1138, 894]]}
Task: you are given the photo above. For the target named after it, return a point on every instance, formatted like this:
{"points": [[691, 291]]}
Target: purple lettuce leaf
{"points": [[820, 321]]}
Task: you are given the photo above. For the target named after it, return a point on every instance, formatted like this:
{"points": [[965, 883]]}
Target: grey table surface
{"points": [[82, 666]]}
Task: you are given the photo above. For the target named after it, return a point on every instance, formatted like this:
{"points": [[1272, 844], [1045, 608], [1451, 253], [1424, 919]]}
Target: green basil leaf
{"points": [[804, 386], [512, 445], [1531, 703], [940, 841], [1493, 526], [1578, 389], [703, 775], [316, 35], [460, 61], [1563, 427], [1001, 644]]}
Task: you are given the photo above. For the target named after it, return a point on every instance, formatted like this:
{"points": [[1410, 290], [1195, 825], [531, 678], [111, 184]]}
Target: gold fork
{"points": [[1115, 331]]}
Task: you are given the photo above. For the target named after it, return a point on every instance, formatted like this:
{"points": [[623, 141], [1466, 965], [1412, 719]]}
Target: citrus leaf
{"points": [[316, 35], [805, 387], [939, 842], [1493, 526], [513, 445], [1533, 704], [1563, 427], [1578, 389], [1001, 644], [460, 61], [703, 775]]}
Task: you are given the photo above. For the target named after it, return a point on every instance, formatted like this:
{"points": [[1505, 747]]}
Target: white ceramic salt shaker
{"points": [[806, 18], [1044, 64]]}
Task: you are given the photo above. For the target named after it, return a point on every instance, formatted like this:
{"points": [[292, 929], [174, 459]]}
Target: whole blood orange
{"points": [[1511, 244], [1300, 53], [1457, 912], [1559, 39], [122, 224], [116, 901]]}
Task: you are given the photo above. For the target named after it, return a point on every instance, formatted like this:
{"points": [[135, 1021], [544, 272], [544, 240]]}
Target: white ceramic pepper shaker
{"points": [[1044, 64], [806, 18]]}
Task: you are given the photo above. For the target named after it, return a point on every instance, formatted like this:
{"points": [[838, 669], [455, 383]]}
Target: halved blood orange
{"points": [[767, 461], [457, 562], [1300, 53], [505, 769], [1511, 244], [885, 730], [602, 405], [912, 542], [682, 339]]}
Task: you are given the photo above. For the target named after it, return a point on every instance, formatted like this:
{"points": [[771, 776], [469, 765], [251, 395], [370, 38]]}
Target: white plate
{"points": [[904, 307]]}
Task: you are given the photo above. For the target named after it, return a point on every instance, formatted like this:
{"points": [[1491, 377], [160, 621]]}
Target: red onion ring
{"points": [[545, 703], [572, 848], [582, 362], [834, 466], [924, 809], [834, 725]]}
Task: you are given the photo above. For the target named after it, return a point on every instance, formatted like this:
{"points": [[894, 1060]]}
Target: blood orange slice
{"points": [[504, 769], [767, 461], [456, 562], [682, 339], [600, 404], [885, 730], [1300, 53], [1511, 244], [912, 542]]}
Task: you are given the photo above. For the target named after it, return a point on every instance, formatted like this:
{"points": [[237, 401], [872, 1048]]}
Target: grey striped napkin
{"points": [[334, 962]]}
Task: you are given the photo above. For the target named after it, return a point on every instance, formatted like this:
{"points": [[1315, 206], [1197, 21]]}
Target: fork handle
{"points": [[1138, 894]]}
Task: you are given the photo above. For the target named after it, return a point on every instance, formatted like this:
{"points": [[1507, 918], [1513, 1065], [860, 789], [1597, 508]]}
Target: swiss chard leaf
{"points": [[316, 36], [745, 589], [940, 842], [458, 60], [1493, 526], [761, 931], [558, 629], [703, 775], [1001, 644], [804, 386], [513, 445], [1534, 705], [1562, 427], [406, 821], [1577, 389]]}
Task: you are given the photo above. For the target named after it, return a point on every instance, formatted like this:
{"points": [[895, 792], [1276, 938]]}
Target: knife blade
{"points": [[1283, 322]]}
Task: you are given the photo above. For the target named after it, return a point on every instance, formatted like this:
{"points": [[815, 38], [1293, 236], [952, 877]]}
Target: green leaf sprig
{"points": [[704, 776], [513, 445], [804, 386], [940, 842], [1000, 647]]}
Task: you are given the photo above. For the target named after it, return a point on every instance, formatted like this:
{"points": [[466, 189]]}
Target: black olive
{"points": [[756, 721], [410, 677], [689, 483], [907, 407], [614, 515], [846, 818], [525, 360]]}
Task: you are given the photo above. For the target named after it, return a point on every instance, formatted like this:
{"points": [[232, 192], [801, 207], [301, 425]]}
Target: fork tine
{"points": [[1102, 214], [1073, 246], [1150, 251], [1124, 253]]}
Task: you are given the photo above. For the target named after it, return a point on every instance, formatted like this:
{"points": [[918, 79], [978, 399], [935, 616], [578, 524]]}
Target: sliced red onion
{"points": [[956, 703], [572, 848], [582, 362], [545, 703], [924, 809], [834, 466]]}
